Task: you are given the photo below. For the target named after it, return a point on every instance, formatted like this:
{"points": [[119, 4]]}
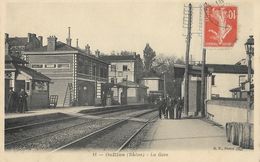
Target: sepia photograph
{"points": [[144, 80]]}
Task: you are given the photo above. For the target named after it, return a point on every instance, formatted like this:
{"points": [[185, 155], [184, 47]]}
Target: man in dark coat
{"points": [[162, 105], [172, 107], [12, 98], [179, 108], [23, 101]]}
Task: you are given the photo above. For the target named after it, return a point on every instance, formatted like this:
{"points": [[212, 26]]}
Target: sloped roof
{"points": [[110, 58], [14, 59], [17, 41], [10, 67], [151, 74], [34, 74], [60, 46]]}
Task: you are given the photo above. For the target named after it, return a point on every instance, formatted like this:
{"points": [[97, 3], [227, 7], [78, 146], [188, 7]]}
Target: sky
{"points": [[129, 25]]}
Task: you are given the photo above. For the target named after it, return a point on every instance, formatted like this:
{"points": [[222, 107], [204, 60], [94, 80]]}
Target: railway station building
{"points": [[77, 76]]}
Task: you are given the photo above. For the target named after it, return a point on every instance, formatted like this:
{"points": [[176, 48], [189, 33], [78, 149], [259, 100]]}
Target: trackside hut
{"points": [[75, 74], [18, 76]]}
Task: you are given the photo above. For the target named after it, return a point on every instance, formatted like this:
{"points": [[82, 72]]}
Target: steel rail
{"points": [[51, 132], [100, 131], [27, 126], [126, 143]]}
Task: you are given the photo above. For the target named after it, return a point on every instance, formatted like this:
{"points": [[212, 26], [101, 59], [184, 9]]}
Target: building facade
{"points": [[125, 71], [222, 79], [18, 76], [76, 75], [154, 82]]}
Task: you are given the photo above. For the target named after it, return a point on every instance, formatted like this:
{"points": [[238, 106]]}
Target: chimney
{"points": [[68, 39], [6, 48], [77, 43], [97, 53], [52, 41], [6, 36], [40, 40], [29, 37], [87, 49]]}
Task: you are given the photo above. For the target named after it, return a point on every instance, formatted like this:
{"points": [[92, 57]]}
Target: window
{"points": [[101, 72], [86, 66], [125, 68], [27, 86], [213, 79], [242, 79], [37, 66], [50, 66], [94, 70], [63, 66], [113, 68], [39, 86], [112, 80], [120, 73]]}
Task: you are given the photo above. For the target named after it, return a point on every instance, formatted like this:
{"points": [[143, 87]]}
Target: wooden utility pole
{"points": [[164, 85], [202, 99], [186, 75]]}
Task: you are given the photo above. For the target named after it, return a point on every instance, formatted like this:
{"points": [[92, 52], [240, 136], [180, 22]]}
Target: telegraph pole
{"points": [[203, 84], [164, 85], [186, 75]]}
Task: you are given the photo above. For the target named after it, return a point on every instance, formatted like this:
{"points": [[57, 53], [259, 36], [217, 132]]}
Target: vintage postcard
{"points": [[130, 80]]}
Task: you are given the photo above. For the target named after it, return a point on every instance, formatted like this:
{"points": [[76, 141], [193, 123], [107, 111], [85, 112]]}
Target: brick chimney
{"points": [[77, 43], [29, 37], [87, 49], [40, 40], [97, 53], [52, 41], [68, 39], [6, 36]]}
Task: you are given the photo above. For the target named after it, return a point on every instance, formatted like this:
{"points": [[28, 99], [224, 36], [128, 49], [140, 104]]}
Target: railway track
{"points": [[101, 138], [28, 126], [13, 144]]}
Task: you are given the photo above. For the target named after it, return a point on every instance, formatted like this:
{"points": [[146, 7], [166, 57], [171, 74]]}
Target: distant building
{"points": [[154, 82], [77, 76], [123, 67], [222, 81], [18, 76], [125, 72], [17, 45], [224, 78]]}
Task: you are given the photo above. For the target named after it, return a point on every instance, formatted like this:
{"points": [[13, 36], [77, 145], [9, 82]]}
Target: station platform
{"points": [[65, 110], [185, 134]]}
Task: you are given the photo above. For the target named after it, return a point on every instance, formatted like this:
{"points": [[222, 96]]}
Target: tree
{"points": [[165, 64], [149, 57]]}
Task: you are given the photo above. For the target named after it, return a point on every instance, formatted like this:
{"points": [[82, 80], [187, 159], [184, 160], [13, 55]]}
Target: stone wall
{"points": [[228, 110]]}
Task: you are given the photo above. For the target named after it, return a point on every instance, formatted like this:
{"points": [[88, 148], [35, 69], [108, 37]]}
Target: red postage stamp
{"points": [[220, 26]]}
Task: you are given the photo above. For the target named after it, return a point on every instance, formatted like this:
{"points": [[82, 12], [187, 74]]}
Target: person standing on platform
{"points": [[169, 108], [11, 101], [162, 105], [173, 103], [23, 101], [179, 108]]}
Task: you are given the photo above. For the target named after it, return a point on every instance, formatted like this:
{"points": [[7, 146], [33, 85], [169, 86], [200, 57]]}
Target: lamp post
{"points": [[249, 46]]}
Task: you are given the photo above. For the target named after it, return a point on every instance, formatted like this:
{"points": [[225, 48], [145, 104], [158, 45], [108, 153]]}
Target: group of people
{"points": [[17, 102], [170, 108]]}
